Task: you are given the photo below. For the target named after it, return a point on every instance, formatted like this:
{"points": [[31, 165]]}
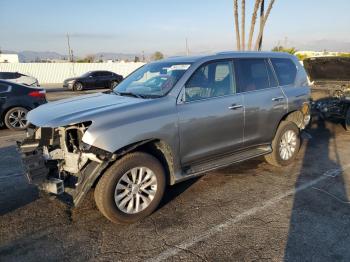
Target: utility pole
{"points": [[262, 11], [187, 50], [70, 58]]}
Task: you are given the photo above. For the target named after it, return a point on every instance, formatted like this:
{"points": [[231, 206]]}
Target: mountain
{"points": [[32, 56]]}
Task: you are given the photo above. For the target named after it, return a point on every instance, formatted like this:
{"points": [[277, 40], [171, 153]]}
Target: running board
{"points": [[226, 160]]}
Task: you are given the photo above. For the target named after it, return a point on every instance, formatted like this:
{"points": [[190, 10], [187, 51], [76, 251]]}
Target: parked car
{"points": [[330, 86], [19, 78], [15, 102], [168, 121], [93, 79]]}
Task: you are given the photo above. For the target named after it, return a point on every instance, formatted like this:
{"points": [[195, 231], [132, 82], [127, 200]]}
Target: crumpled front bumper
{"points": [[47, 175]]}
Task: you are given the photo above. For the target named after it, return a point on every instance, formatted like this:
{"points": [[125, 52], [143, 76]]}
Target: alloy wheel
{"points": [[17, 118], [288, 145], [135, 190]]}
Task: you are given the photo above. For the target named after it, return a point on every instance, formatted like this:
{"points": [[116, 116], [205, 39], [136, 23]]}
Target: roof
{"points": [[222, 55]]}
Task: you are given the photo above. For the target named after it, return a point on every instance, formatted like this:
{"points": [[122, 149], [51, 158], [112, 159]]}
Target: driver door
{"points": [[211, 119]]}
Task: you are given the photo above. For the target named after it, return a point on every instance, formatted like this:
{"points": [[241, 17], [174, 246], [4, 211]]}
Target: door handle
{"points": [[235, 107], [280, 98]]}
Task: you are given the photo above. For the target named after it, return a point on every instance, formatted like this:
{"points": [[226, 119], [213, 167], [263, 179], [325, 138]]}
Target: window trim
{"points": [[182, 95]]}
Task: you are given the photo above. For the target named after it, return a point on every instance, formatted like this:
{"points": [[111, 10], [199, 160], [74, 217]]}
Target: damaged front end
{"points": [[60, 163]]}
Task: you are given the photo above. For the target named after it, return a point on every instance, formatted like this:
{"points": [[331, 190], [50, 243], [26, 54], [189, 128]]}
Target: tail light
{"points": [[38, 94]]}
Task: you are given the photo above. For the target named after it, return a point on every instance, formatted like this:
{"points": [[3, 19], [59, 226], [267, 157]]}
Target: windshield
{"points": [[153, 80]]}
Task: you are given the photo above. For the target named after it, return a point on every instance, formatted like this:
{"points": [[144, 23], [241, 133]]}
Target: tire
{"points": [[109, 199], [283, 155], [113, 84], [347, 120], [15, 118], [78, 86]]}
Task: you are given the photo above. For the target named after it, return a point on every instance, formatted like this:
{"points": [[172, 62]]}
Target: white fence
{"points": [[54, 73]]}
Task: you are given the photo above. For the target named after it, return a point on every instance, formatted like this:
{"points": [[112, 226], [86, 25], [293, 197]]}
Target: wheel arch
{"points": [[155, 147]]}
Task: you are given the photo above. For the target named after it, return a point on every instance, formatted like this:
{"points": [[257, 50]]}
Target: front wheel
{"points": [[131, 188], [285, 145], [78, 86]]}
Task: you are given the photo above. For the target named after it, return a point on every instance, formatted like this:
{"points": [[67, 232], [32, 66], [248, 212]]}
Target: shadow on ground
{"points": [[317, 232]]}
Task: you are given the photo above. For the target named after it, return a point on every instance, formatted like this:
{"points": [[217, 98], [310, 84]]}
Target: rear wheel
{"points": [[347, 120], [78, 86], [15, 118], [285, 145], [131, 189]]}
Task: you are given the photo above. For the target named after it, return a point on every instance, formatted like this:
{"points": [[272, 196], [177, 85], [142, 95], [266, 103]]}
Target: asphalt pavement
{"points": [[247, 212]]}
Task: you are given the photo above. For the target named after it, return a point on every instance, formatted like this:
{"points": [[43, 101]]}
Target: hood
{"points": [[70, 79], [328, 68], [79, 109]]}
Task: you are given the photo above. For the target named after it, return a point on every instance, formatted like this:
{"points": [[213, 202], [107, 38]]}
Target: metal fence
{"points": [[54, 73]]}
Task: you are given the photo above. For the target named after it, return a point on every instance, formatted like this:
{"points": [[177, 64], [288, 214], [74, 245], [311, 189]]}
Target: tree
{"points": [[290, 50], [243, 25], [136, 59], [263, 21], [263, 18], [87, 59], [157, 56], [235, 10], [252, 23]]}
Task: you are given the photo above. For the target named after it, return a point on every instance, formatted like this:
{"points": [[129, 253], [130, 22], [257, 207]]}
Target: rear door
{"points": [[264, 101], [211, 118]]}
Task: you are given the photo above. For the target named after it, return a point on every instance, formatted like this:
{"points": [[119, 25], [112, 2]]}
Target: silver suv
{"points": [[168, 121]]}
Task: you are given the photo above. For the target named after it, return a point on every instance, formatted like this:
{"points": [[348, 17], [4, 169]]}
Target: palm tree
{"points": [[243, 25], [252, 23], [263, 23], [238, 38]]}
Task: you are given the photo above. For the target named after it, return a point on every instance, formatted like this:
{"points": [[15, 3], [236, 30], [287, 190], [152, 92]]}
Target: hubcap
{"points": [[135, 190], [288, 145], [17, 119]]}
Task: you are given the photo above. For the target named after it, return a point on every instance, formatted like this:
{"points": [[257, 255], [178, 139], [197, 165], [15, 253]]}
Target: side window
{"points": [[106, 73], [285, 69], [7, 75], [252, 74], [211, 80]]}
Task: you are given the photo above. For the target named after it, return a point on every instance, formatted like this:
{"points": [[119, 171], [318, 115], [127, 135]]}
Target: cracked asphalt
{"points": [[246, 212]]}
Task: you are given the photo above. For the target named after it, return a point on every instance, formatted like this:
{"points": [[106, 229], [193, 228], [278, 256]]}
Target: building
{"points": [[9, 58], [316, 53]]}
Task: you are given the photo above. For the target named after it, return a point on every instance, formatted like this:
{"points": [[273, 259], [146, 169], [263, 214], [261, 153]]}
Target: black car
{"points": [[15, 102], [93, 79]]}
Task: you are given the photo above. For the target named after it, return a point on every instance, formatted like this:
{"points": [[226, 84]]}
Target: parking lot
{"points": [[248, 211]]}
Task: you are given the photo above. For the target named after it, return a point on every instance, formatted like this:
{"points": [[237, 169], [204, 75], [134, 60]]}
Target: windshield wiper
{"points": [[127, 94], [136, 95]]}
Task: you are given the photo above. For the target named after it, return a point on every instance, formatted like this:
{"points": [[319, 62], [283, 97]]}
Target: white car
{"points": [[19, 78]]}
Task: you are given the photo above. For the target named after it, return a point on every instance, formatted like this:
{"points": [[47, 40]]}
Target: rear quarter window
{"points": [[285, 69], [3, 88]]}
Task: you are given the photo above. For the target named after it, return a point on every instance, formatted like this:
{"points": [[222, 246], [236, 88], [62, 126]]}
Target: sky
{"points": [[133, 26]]}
